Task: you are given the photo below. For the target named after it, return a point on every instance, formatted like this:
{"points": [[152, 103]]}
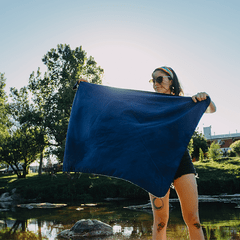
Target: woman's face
{"points": [[164, 86]]}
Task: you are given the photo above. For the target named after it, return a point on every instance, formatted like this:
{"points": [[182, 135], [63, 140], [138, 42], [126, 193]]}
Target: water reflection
{"points": [[220, 221]]}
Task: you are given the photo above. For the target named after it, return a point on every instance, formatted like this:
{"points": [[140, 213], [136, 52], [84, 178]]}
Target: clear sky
{"points": [[199, 39]]}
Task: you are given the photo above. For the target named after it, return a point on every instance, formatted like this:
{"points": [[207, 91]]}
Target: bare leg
{"points": [[186, 188], [160, 207]]}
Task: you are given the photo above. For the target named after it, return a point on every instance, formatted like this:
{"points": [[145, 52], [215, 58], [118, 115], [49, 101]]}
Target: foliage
{"points": [[214, 151], [201, 155], [4, 110], [19, 234], [216, 177], [40, 123], [20, 148], [230, 153], [73, 187], [190, 147], [52, 95], [25, 115], [236, 147], [199, 141]]}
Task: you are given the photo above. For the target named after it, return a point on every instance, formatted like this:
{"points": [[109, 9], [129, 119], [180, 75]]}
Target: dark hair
{"points": [[175, 88]]}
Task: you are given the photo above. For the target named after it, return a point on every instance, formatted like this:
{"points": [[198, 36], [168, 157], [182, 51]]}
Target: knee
{"points": [[161, 218], [160, 222], [193, 221]]}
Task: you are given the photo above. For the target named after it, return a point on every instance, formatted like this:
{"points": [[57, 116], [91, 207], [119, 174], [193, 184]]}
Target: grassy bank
{"points": [[222, 176], [218, 177], [65, 188]]}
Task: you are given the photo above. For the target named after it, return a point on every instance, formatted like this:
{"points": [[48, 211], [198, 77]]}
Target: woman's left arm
{"points": [[202, 96]]}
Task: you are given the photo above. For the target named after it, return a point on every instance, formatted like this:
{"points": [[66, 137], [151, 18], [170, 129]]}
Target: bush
{"points": [[199, 141], [214, 152], [201, 155], [236, 147], [231, 153]]}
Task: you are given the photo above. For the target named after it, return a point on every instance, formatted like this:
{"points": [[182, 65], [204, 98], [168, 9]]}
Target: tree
{"points": [[199, 141], [190, 146], [19, 150], [52, 95], [236, 147], [214, 151], [201, 155], [25, 117], [4, 111]]}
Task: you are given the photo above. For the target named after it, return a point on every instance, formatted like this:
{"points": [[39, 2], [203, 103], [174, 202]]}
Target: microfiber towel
{"points": [[134, 135]]}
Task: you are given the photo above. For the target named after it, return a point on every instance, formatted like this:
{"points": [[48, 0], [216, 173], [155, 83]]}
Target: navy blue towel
{"points": [[133, 135]]}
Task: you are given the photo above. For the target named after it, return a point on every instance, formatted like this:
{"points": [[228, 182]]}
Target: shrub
{"points": [[190, 146], [201, 155], [214, 152], [199, 141], [231, 153], [236, 147]]}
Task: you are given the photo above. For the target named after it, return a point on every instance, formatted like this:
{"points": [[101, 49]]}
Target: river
{"points": [[219, 220]]}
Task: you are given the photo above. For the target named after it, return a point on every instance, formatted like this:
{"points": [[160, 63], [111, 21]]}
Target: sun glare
{"points": [[125, 65]]}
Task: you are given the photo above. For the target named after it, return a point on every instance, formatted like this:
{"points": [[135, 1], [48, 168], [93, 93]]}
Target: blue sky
{"points": [[199, 39]]}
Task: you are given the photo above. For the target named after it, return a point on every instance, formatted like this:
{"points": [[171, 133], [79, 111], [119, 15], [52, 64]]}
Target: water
{"points": [[219, 220]]}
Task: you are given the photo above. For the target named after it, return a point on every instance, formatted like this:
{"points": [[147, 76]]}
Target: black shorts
{"points": [[186, 166]]}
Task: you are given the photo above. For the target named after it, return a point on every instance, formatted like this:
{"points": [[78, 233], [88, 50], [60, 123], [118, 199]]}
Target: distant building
{"points": [[224, 140], [10, 169]]}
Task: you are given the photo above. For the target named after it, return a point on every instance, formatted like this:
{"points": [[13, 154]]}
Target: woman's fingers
{"points": [[82, 80], [199, 96]]}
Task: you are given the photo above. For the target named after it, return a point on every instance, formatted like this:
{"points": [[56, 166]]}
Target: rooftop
{"points": [[223, 136]]}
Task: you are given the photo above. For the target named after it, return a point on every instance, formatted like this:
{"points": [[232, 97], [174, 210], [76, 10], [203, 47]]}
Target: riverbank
{"points": [[221, 177]]}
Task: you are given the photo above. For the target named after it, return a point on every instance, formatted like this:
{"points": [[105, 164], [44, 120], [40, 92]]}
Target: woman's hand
{"points": [[200, 97], [203, 96], [78, 82], [82, 80]]}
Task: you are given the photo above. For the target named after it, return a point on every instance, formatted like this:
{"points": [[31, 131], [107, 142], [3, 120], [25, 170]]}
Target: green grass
{"points": [[222, 176], [87, 188]]}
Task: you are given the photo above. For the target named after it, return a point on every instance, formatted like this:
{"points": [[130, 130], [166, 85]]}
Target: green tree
{"points": [[236, 147], [199, 141], [201, 155], [19, 150], [190, 146], [25, 116], [4, 110], [214, 151], [52, 95]]}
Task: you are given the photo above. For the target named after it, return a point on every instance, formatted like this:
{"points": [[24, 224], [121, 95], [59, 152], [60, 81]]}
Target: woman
{"points": [[165, 81]]}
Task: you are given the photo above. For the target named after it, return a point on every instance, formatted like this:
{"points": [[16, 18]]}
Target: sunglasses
{"points": [[158, 79]]}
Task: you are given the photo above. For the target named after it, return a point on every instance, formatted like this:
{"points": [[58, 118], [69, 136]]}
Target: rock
{"points": [[79, 209], [5, 197], [114, 199], [3, 210], [5, 205], [14, 190], [89, 204], [87, 228], [42, 205]]}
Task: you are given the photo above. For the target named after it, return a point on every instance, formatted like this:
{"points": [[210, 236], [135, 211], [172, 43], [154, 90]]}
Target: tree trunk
{"points": [[40, 164]]}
